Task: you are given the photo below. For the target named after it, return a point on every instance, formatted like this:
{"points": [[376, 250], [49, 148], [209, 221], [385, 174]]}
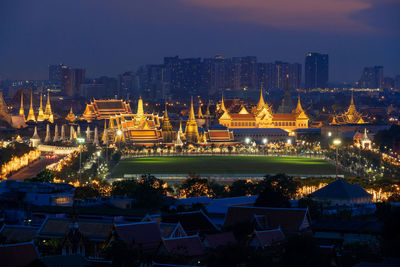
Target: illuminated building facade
{"points": [[262, 116], [105, 109]]}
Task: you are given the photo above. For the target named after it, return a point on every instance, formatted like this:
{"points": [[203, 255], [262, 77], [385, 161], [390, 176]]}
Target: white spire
{"points": [[88, 134], [96, 137], [62, 138], [48, 138], [35, 139], [71, 133], [56, 138], [178, 141]]}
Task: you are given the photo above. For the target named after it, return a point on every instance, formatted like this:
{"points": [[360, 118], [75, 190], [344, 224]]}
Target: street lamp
{"points": [[337, 143], [265, 140], [247, 140], [80, 141]]}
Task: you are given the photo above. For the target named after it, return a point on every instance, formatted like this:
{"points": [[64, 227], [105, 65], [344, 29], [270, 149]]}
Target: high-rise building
{"points": [[79, 79], [316, 70], [371, 77], [68, 81], [244, 73], [397, 82], [55, 72], [273, 75]]}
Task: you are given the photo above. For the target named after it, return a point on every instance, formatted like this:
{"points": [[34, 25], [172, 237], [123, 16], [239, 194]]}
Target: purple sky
{"points": [[108, 37]]}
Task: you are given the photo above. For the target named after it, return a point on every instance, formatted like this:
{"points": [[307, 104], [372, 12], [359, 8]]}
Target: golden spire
{"points": [[199, 113], [261, 102], [31, 114], [208, 114], [71, 116], [140, 111], [191, 130], [40, 113], [222, 103], [299, 108], [21, 109], [191, 115], [48, 115]]}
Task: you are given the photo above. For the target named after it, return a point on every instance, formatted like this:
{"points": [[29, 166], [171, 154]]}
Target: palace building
{"points": [[105, 109], [351, 116], [137, 128], [262, 116]]}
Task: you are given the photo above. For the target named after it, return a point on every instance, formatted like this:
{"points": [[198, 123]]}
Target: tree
{"points": [[84, 192], [276, 191], [44, 176], [195, 187], [242, 188], [148, 191]]}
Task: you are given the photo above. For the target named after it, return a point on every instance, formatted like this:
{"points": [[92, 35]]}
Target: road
{"points": [[32, 169]]}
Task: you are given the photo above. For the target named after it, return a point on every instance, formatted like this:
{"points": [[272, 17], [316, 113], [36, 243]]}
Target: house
{"points": [[220, 239], [341, 192], [266, 238], [331, 231], [94, 233], [39, 194], [10, 234], [289, 220], [19, 254], [169, 230], [145, 236], [192, 222], [188, 246]]}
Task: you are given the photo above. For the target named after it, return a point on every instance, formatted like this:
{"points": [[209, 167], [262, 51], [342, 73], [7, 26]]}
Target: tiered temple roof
{"points": [[104, 109]]}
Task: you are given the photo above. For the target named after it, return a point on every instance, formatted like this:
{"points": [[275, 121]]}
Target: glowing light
{"points": [[337, 142]]}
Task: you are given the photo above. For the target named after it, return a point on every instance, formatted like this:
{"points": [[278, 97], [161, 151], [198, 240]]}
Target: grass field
{"points": [[223, 165]]}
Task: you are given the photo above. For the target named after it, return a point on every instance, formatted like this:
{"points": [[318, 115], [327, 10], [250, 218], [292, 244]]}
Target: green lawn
{"points": [[223, 165]]}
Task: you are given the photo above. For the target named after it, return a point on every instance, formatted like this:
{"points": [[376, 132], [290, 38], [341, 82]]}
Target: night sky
{"points": [[108, 37]]}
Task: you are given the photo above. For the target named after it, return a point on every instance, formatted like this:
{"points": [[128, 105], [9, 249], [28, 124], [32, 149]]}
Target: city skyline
{"points": [[362, 34]]}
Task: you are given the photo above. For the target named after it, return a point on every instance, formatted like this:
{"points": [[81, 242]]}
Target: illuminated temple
{"points": [[351, 116], [104, 109], [136, 128], [262, 116]]}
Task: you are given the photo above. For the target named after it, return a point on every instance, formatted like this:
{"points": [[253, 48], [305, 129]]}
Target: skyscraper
{"points": [[316, 70], [371, 77], [55, 72], [68, 81]]}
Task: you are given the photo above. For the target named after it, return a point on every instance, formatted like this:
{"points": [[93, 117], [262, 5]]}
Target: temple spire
{"points": [[40, 116], [62, 137], [96, 137], [140, 111], [167, 130], [222, 103], [208, 114], [191, 130], [261, 102], [48, 115], [200, 113], [48, 137], [31, 114], [21, 109], [56, 138], [71, 116], [104, 137]]}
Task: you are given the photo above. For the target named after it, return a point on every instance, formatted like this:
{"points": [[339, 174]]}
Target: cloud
{"points": [[294, 14]]}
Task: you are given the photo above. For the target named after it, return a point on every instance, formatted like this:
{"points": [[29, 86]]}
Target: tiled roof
{"points": [[17, 233], [283, 117], [15, 255], [192, 222], [220, 239], [289, 220], [97, 230], [147, 235], [340, 189], [242, 117], [269, 237], [189, 246], [109, 104]]}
